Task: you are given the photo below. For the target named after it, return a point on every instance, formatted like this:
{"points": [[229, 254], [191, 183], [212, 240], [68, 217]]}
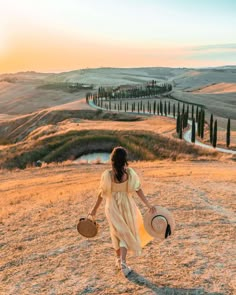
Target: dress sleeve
{"points": [[105, 183], [134, 182]]}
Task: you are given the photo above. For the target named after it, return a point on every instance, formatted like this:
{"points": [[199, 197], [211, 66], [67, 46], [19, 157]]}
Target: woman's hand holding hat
{"points": [[152, 209], [160, 224]]}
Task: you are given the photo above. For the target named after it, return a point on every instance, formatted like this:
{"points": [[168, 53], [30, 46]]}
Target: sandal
{"points": [[125, 268]]}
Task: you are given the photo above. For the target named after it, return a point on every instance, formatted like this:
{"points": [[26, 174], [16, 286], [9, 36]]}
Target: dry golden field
{"points": [[42, 253]]}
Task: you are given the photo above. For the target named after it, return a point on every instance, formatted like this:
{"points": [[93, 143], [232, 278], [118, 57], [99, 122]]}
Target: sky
{"points": [[64, 35]]}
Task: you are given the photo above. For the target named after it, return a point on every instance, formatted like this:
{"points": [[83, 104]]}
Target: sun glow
{"points": [[63, 35]]}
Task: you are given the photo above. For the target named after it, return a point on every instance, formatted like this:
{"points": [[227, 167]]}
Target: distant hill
{"points": [[117, 76], [27, 92]]}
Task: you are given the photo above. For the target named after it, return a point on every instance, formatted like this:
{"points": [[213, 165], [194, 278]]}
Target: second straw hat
{"points": [[160, 224]]}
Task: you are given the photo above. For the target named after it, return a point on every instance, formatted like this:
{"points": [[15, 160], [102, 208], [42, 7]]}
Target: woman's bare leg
{"points": [[118, 253], [118, 258], [123, 253], [124, 268]]}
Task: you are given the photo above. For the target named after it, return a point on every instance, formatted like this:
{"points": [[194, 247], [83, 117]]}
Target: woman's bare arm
{"points": [[96, 205], [145, 201]]}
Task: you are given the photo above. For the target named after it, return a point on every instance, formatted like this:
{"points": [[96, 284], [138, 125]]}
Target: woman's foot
{"points": [[125, 268], [118, 263]]}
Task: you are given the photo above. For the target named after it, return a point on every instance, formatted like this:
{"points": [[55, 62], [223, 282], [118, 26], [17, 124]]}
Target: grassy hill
{"points": [[18, 129], [58, 136]]}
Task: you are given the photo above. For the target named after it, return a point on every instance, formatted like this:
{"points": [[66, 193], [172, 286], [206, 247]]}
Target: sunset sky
{"points": [[63, 35]]}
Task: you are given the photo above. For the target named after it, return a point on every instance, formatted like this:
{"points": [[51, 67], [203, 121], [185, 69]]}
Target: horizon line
{"points": [[107, 67]]}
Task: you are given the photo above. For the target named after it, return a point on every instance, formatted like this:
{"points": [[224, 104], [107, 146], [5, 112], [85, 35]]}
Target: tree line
{"points": [[198, 126], [113, 99], [110, 93]]}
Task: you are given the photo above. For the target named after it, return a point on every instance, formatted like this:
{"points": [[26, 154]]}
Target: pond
{"points": [[94, 158]]}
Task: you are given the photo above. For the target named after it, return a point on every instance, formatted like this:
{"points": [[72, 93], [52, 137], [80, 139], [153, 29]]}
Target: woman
{"points": [[125, 220]]}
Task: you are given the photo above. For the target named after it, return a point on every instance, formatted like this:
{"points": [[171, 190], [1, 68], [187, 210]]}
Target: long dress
{"points": [[124, 218]]}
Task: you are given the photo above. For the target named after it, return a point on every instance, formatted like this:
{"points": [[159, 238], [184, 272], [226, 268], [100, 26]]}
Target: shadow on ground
{"points": [[142, 281]]}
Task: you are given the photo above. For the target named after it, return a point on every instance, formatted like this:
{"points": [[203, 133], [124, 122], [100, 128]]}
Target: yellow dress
{"points": [[124, 218]]}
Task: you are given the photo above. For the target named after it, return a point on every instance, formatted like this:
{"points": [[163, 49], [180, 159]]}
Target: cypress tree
{"points": [[174, 110], [165, 109], [178, 108], [197, 115], [215, 134], [168, 107], [178, 123], [199, 126], [193, 136], [228, 134], [161, 108], [158, 109], [211, 129], [185, 119], [181, 127], [143, 108], [138, 108], [192, 111], [154, 107], [183, 109], [202, 123]]}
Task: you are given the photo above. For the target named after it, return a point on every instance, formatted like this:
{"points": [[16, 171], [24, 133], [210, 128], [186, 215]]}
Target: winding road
{"points": [[186, 135]]}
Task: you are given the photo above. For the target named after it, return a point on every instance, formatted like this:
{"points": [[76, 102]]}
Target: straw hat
{"points": [[87, 227], [161, 224]]}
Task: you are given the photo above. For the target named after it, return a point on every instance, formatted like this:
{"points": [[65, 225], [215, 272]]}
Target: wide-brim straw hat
{"points": [[87, 227], [160, 224]]}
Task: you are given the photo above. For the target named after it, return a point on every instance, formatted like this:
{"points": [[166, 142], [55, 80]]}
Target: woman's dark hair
{"points": [[119, 161]]}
